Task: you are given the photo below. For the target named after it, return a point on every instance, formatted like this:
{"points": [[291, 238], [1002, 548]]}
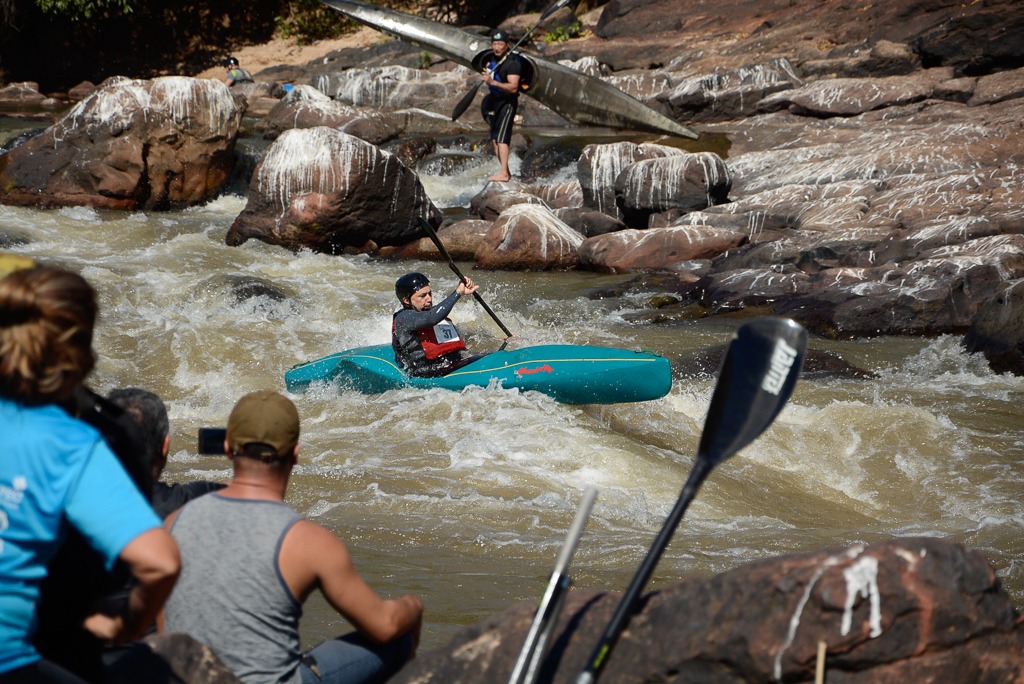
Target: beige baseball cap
{"points": [[264, 417]]}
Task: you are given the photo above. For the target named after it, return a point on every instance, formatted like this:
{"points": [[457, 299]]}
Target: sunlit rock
{"points": [[157, 144], [599, 167], [685, 182], [939, 292], [528, 237], [1005, 85], [307, 107], [588, 222], [18, 96], [884, 58], [728, 92], [852, 96], [326, 190], [908, 610], [562, 195], [496, 197], [659, 248], [396, 87], [462, 239], [257, 98]]}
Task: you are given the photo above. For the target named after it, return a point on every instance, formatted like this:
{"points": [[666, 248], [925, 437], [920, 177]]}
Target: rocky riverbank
{"points": [[870, 184], [859, 169]]}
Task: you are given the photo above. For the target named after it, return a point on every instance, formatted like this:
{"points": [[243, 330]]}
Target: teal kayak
{"points": [[571, 374]]}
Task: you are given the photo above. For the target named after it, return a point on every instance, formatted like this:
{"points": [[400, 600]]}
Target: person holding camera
{"points": [[250, 562], [149, 413]]}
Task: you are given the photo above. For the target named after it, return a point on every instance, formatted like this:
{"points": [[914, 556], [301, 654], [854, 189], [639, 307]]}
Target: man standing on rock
{"points": [[236, 74], [502, 76], [250, 562]]}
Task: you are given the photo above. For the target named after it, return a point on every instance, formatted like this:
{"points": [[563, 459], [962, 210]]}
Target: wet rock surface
{"points": [[328, 191], [907, 610], [859, 168], [157, 144]]}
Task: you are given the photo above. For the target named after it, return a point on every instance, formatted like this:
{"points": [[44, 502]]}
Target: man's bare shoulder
{"points": [[309, 539]]}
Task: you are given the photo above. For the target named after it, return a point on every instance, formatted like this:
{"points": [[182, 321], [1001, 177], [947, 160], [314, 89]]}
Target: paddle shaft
{"points": [[760, 368], [528, 664], [455, 269], [701, 467], [468, 97]]}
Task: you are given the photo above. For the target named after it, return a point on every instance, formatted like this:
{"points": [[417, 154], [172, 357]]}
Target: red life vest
{"points": [[440, 339]]}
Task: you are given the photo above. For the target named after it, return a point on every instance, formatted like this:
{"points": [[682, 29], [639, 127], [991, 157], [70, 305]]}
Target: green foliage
{"points": [[82, 9], [310, 20], [562, 33]]}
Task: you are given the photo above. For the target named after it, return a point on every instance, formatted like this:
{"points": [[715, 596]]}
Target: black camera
{"points": [[211, 440]]}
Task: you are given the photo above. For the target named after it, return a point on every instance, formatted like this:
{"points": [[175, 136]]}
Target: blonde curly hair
{"points": [[47, 317]]}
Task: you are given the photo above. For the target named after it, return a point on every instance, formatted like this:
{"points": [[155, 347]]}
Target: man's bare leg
{"points": [[501, 149]]}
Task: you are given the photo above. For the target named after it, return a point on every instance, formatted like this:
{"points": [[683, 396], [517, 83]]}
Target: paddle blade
{"points": [[757, 377], [464, 103]]}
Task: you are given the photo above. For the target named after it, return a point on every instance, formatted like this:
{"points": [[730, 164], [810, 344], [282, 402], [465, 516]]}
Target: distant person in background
{"points": [[56, 470], [236, 74], [426, 343], [250, 562], [502, 75], [150, 414]]}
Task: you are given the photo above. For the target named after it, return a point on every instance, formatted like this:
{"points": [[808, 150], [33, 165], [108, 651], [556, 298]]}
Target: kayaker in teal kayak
{"points": [[426, 342]]}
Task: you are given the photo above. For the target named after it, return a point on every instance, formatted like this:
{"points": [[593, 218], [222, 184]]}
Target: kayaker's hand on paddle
{"points": [[467, 287]]}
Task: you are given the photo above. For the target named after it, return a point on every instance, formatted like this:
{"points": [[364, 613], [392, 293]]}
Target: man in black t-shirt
{"points": [[150, 414], [502, 75]]}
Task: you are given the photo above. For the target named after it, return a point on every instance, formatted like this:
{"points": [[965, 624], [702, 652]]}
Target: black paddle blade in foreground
{"points": [[756, 379]]}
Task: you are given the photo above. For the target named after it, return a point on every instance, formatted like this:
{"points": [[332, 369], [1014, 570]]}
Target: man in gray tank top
{"points": [[249, 562]]}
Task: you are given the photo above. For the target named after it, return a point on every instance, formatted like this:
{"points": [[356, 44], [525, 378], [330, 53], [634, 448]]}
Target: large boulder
{"points": [[529, 237], [461, 239], [496, 197], [907, 610], [660, 248], [395, 87], [329, 191], [158, 144], [599, 167], [307, 107], [684, 182], [21, 96]]}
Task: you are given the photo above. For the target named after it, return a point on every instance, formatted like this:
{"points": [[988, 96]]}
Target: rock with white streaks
{"points": [[529, 237], [330, 192], [159, 144], [307, 107], [656, 249], [907, 610], [599, 167], [685, 182]]}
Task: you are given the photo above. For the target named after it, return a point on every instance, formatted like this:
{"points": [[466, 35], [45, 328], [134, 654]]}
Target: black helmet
{"points": [[409, 284], [230, 62], [500, 35]]}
